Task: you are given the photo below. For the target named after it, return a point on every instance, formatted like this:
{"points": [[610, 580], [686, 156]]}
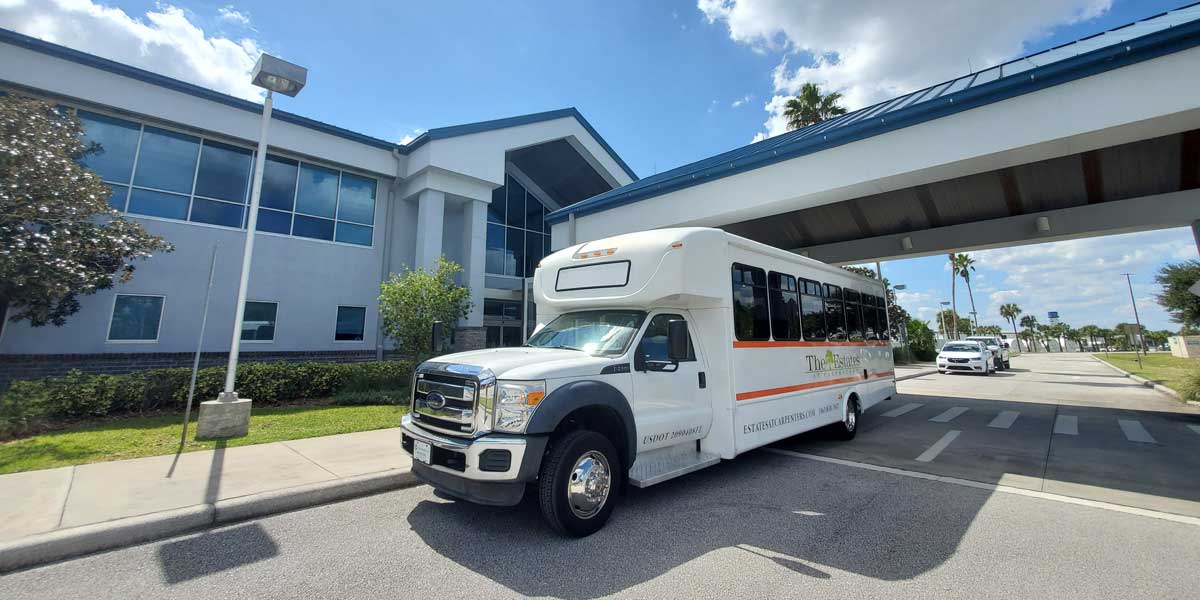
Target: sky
{"points": [[666, 83]]}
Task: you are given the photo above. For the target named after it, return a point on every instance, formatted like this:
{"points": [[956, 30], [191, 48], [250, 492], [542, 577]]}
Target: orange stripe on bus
{"points": [[883, 374], [795, 388], [798, 344]]}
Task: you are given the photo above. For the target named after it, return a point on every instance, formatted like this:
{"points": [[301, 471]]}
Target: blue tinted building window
{"points": [[494, 263], [317, 195], [495, 212], [167, 160], [356, 200], [353, 234], [119, 196], [135, 318], [224, 172], [274, 221], [158, 204], [216, 213], [351, 322], [258, 321], [309, 227], [116, 143], [515, 248], [515, 213], [514, 252], [279, 183]]}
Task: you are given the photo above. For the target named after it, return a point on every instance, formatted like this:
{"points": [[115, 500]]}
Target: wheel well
{"points": [[602, 420]]}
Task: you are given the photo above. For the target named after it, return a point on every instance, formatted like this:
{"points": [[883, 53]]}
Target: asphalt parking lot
{"points": [[765, 525], [1057, 423]]}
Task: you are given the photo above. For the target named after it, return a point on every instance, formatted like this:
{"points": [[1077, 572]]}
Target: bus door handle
{"points": [[703, 381]]}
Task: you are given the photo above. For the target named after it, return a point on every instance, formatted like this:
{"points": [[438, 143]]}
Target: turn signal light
{"points": [[595, 253]]}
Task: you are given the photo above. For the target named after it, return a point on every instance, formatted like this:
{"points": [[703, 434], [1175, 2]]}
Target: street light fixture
{"points": [[228, 415]]}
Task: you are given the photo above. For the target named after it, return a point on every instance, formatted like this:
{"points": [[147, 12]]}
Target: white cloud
{"points": [[873, 50], [742, 101], [229, 13], [163, 40], [410, 136]]}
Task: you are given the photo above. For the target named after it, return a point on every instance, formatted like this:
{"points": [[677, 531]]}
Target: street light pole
{"points": [[942, 319], [1137, 335], [229, 415]]}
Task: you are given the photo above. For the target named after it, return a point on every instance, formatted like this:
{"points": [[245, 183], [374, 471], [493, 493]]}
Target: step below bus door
{"points": [[670, 387]]}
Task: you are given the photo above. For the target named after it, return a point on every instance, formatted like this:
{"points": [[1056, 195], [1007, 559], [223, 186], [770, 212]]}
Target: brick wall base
{"points": [[34, 366]]}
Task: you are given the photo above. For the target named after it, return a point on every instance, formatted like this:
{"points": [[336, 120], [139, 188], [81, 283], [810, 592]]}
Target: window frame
{"points": [[525, 261], [205, 135], [112, 313], [275, 325], [645, 328], [338, 309]]}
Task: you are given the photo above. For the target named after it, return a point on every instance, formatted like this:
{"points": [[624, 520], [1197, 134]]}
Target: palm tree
{"points": [[811, 107], [1029, 322], [964, 264], [1010, 312], [1090, 332]]}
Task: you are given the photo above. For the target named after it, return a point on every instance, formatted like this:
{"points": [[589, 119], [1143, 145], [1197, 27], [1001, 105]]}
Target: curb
{"points": [[916, 375], [87, 539], [1143, 381]]}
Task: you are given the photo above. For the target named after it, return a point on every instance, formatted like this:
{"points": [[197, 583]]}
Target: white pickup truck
{"points": [[1001, 359], [657, 354]]}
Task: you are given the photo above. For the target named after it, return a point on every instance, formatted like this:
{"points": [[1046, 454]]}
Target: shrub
{"points": [[1189, 391], [80, 395]]}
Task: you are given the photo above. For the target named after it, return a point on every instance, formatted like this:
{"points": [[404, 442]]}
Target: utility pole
{"points": [[1137, 335]]}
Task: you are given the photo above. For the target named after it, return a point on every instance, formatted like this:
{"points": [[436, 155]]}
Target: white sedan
{"points": [[970, 357]]}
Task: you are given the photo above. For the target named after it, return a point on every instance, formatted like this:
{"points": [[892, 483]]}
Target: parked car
{"points": [[969, 356], [998, 348]]}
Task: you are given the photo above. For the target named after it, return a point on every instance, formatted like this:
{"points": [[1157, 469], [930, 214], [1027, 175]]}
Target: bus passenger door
{"points": [[670, 397]]}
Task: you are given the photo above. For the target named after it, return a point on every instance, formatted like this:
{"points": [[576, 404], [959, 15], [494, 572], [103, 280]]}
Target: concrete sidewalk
{"points": [[99, 501]]}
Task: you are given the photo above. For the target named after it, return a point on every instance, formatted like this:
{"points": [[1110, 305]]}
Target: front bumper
{"points": [[972, 366], [491, 469]]}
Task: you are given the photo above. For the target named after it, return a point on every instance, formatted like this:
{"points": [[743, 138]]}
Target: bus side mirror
{"points": [[439, 333], [677, 340], [1006, 344]]}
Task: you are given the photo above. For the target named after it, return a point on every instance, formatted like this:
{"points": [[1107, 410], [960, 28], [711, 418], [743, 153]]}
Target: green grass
{"points": [[1159, 367], [136, 437]]}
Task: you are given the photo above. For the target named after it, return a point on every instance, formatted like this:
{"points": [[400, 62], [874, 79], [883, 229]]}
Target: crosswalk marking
{"points": [[903, 409], [949, 415], [1134, 431], [1066, 425], [1005, 419], [938, 446]]}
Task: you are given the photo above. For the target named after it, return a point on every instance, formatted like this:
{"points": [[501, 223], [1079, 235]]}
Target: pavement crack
{"points": [[62, 512], [315, 463]]}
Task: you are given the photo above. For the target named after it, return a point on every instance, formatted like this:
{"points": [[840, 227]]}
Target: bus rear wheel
{"points": [[848, 428]]}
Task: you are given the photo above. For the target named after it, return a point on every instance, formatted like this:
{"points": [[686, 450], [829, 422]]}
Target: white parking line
{"points": [[907, 408], [1134, 431], [1195, 428], [938, 446], [1005, 419], [949, 415], [1066, 425]]}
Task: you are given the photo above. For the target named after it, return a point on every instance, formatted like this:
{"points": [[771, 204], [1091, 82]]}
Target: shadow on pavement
{"points": [[212, 552], [806, 516]]}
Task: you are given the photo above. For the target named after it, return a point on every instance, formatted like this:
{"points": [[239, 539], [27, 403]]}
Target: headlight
{"points": [[515, 403]]}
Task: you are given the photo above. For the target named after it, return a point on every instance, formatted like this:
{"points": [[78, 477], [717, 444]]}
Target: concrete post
{"points": [[474, 257], [431, 211]]}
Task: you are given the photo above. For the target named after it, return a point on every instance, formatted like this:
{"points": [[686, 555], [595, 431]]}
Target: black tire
{"points": [[848, 428], [1007, 365], [556, 475]]}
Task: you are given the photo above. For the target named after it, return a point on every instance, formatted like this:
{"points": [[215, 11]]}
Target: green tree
{"points": [[1091, 332], [897, 316], [59, 239], [956, 324], [988, 330], [1158, 339], [1010, 312], [920, 340], [1029, 322], [810, 106], [410, 303], [1182, 305], [963, 264]]}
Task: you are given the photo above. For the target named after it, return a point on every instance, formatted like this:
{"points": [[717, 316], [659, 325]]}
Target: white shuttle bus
{"points": [[656, 354]]}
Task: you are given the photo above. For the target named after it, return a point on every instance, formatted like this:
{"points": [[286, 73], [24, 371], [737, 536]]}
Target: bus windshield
{"points": [[597, 332]]}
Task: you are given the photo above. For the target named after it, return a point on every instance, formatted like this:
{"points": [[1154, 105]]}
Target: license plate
{"points": [[421, 451]]}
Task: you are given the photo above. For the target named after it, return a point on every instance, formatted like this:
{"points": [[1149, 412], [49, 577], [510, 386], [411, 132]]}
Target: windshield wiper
{"points": [[558, 347]]}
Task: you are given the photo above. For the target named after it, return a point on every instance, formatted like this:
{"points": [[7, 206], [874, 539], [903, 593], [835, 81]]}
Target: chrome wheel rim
{"points": [[851, 416], [589, 484]]}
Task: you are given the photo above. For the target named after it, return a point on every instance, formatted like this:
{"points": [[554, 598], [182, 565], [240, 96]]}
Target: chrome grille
{"points": [[453, 407]]}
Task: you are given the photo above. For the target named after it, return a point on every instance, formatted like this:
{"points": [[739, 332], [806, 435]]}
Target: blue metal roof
{"points": [[1149, 38], [104, 64]]}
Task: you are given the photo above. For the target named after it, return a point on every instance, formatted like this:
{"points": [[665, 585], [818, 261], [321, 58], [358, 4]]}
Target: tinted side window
{"points": [[751, 317], [812, 311], [854, 325], [785, 306], [883, 323], [654, 341], [870, 324], [835, 316]]}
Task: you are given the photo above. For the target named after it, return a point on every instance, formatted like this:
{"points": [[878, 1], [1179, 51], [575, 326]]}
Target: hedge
{"points": [[79, 395]]}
